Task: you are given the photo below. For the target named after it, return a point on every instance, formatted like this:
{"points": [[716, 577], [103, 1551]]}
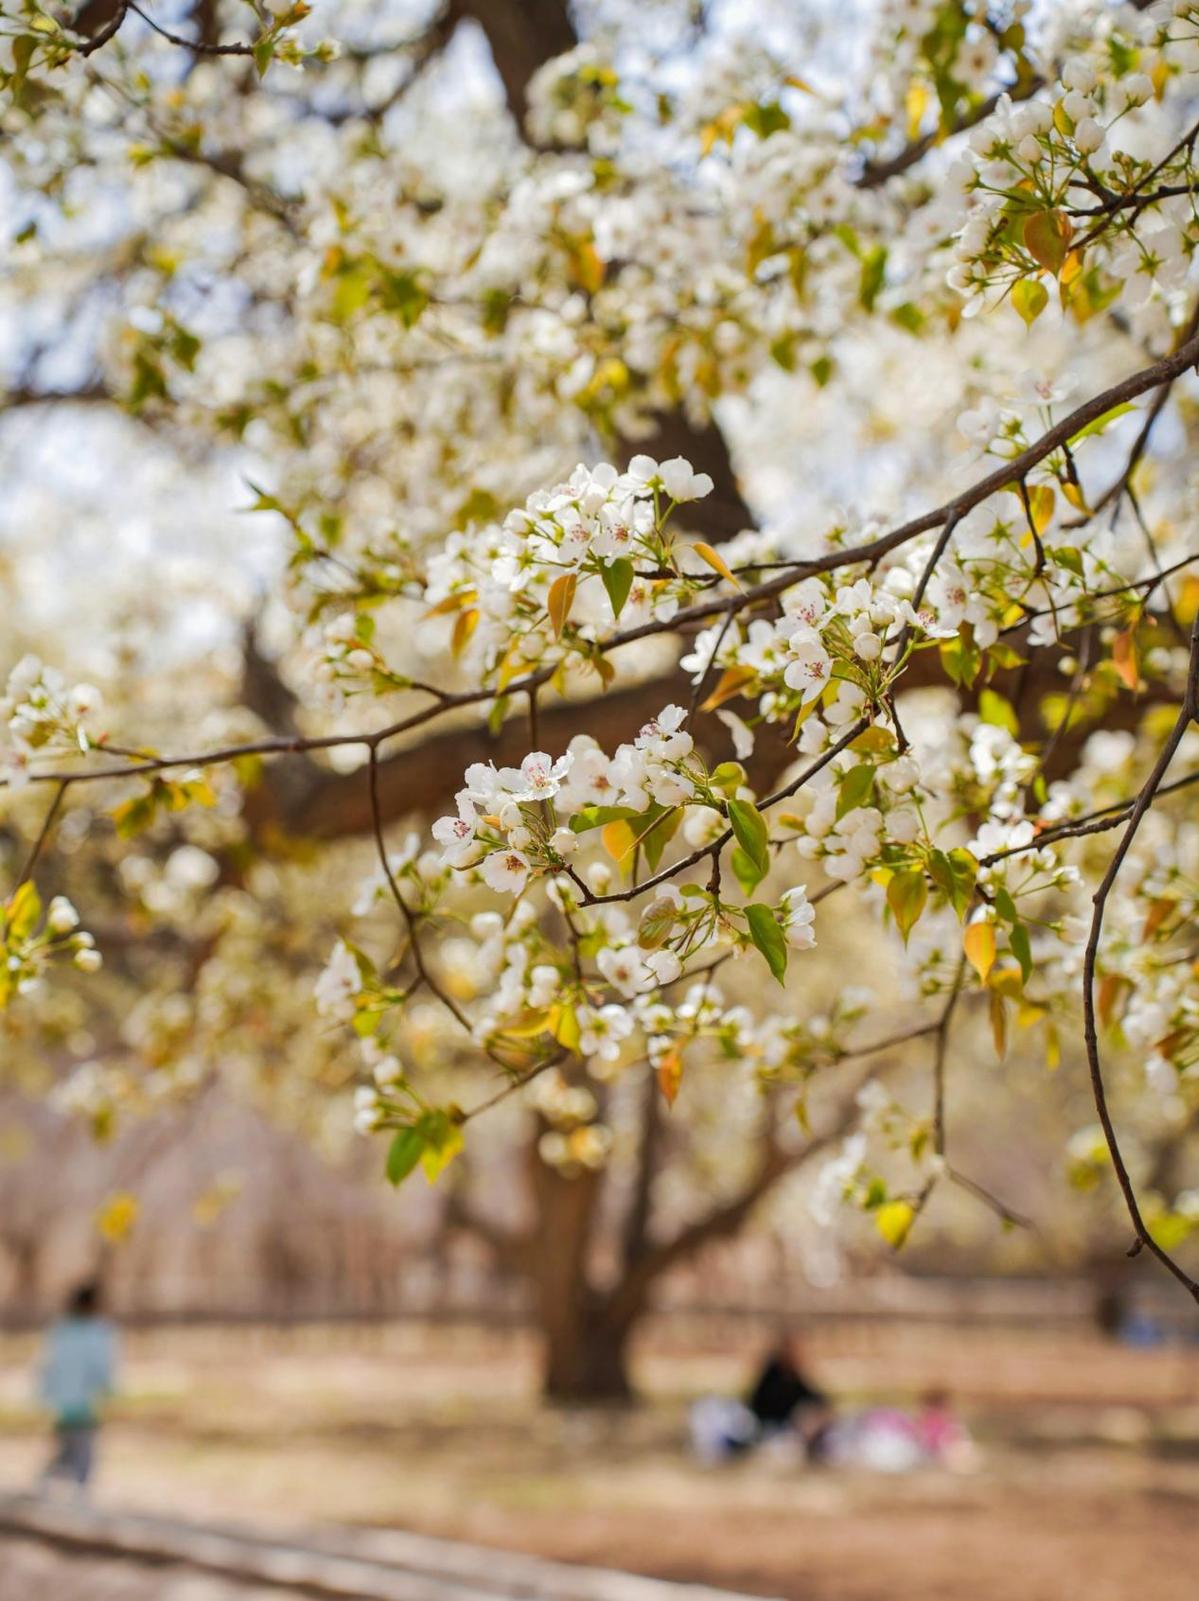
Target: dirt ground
{"points": [[1087, 1484], [31, 1571]]}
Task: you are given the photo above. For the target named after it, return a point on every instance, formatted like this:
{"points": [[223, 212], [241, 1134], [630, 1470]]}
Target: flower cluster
{"points": [[29, 940], [1054, 188], [512, 821], [541, 584], [40, 715]]}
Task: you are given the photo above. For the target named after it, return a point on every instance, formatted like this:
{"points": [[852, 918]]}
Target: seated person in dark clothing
{"points": [[783, 1405], [782, 1397]]}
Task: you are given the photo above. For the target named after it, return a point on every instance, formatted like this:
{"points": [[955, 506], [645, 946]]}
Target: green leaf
{"points": [[1006, 906], [23, 47], [766, 934], [749, 829], [954, 875], [1098, 424], [497, 714], [940, 870], [442, 1142], [908, 317], [618, 581], [1003, 656], [965, 875], [728, 777], [856, 789], [263, 51], [998, 710], [1018, 939], [1069, 557], [873, 275], [822, 370], [655, 841], [907, 896], [402, 293], [961, 660], [766, 118], [403, 1154], [875, 740], [600, 816], [747, 873], [497, 303]]}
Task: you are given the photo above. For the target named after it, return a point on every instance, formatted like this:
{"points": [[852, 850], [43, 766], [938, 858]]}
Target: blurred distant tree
{"points": [[879, 584]]}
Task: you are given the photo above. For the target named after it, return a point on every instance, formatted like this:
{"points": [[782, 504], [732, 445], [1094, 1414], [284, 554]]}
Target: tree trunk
{"points": [[586, 1361], [584, 1357]]}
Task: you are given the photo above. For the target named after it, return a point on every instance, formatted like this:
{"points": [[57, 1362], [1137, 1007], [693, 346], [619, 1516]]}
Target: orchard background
{"points": [[603, 628]]}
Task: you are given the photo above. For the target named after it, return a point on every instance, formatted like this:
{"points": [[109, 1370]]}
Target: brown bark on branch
{"points": [[298, 799], [523, 35]]}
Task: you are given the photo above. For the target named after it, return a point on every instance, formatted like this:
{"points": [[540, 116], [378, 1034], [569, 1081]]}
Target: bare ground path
{"points": [[1088, 1483], [31, 1570]]}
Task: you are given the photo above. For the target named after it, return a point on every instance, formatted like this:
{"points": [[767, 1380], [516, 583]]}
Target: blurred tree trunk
{"points": [[587, 1328], [579, 1364]]}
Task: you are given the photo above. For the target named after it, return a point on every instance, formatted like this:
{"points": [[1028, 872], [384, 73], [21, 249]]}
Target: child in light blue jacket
{"points": [[77, 1372]]}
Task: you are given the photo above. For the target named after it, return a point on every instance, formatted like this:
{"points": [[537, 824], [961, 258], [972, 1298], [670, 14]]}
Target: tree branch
{"points": [[1188, 714]]}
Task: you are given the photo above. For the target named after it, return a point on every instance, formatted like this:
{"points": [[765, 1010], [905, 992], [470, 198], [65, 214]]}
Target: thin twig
{"points": [[981, 1193], [43, 834], [109, 31], [195, 45], [406, 912], [1189, 712], [511, 1088], [939, 1055], [1097, 822]]}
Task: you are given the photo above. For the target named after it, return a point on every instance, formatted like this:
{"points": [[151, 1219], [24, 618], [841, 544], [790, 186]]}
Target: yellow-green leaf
{"points": [[564, 1026], [464, 626], [1047, 236], [1124, 658], [978, 942], [1030, 297], [116, 1216], [560, 599], [22, 911], [670, 1075], [999, 1023], [443, 1141], [619, 839], [715, 561], [894, 1221], [907, 896], [1041, 503], [730, 684], [996, 709]]}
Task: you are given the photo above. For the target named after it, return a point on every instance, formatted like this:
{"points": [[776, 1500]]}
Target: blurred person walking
{"points": [[77, 1372]]}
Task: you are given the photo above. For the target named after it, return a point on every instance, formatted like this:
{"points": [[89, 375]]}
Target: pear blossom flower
{"points": [[506, 871], [810, 665], [623, 969], [337, 985], [61, 916]]}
